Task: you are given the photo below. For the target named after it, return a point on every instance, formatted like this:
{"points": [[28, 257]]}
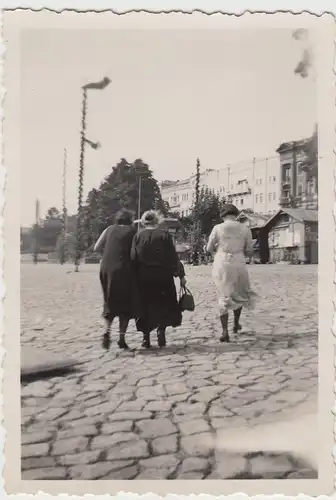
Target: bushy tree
{"points": [[120, 189]]}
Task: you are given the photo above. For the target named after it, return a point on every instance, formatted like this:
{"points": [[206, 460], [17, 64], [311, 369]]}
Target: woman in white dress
{"points": [[232, 243]]}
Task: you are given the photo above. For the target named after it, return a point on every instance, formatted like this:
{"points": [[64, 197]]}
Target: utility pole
{"points": [[139, 196], [36, 231], [64, 206]]}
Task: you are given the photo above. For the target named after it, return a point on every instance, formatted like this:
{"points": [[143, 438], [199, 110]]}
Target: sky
{"points": [[221, 95]]}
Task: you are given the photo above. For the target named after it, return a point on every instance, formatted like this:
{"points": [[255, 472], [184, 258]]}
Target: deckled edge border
{"points": [[334, 280], [2, 205], [2, 245]]}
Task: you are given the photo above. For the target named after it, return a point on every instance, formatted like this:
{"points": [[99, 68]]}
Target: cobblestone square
{"points": [[148, 414]]}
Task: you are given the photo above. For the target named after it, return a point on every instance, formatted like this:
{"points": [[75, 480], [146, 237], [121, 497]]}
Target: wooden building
{"points": [[292, 235]]}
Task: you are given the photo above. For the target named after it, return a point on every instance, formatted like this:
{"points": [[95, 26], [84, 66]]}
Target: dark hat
{"points": [[228, 209]]}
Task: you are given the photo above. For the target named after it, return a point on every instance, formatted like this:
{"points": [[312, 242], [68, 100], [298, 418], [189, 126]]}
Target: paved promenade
{"points": [[153, 414]]}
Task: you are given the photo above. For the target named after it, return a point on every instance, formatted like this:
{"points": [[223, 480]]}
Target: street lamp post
{"points": [[95, 145]]}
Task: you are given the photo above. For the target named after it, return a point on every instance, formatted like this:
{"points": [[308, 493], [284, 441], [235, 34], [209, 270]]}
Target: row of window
{"points": [[271, 180], [176, 199], [259, 198], [185, 197]]}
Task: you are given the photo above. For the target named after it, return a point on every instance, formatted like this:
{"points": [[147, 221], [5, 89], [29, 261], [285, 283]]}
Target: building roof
{"points": [[302, 214], [255, 220], [299, 214], [288, 146]]}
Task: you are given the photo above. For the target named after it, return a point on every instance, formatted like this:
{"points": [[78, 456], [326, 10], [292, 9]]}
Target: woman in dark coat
{"points": [[117, 275], [156, 263]]}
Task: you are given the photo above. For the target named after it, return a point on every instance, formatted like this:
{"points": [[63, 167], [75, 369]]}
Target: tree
{"points": [[53, 214], [195, 234], [46, 233], [120, 189], [205, 215], [209, 208]]}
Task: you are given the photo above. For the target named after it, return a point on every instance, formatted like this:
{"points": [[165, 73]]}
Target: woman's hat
{"points": [[228, 209], [150, 218]]}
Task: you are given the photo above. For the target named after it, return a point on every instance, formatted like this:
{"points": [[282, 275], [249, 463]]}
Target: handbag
{"points": [[186, 301]]}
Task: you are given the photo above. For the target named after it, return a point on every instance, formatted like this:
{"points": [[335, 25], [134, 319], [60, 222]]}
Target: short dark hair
{"points": [[124, 217], [228, 209]]}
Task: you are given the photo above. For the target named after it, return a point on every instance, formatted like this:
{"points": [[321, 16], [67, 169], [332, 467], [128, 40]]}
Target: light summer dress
{"points": [[231, 241]]}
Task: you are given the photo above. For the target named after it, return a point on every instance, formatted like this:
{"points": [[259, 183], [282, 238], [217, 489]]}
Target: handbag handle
{"points": [[184, 290]]}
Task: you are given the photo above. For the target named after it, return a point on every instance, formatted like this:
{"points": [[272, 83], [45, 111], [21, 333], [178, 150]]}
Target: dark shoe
{"points": [[122, 344], [146, 341], [237, 328], [106, 341], [161, 339], [146, 344], [225, 337]]}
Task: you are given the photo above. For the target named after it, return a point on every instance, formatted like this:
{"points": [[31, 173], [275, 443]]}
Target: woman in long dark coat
{"points": [[117, 275], [156, 263]]}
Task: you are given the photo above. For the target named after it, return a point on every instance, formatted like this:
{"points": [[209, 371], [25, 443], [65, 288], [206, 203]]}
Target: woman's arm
{"points": [[134, 253], [248, 249], [212, 241], [99, 246]]}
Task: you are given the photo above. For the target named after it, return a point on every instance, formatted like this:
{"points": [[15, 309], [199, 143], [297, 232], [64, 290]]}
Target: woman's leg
{"points": [[224, 322], [237, 326], [161, 336], [123, 325], [146, 340], [107, 335]]}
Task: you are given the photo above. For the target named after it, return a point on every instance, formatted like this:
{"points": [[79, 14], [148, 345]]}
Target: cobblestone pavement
{"points": [[148, 414]]}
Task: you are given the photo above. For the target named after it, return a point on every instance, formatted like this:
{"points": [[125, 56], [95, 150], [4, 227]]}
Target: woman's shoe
{"points": [[146, 344], [225, 337], [161, 338], [237, 328], [106, 342], [146, 341], [122, 344]]}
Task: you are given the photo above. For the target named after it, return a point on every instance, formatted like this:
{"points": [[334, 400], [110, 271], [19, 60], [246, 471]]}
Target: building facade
{"points": [[259, 185], [293, 235], [299, 182], [252, 185]]}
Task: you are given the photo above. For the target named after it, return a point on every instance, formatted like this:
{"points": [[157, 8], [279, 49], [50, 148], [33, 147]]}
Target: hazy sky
{"points": [[222, 95]]}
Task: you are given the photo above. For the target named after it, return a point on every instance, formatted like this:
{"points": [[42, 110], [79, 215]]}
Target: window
{"points": [[287, 173], [261, 198], [274, 196], [257, 198], [270, 179], [274, 178], [300, 190], [311, 187], [269, 196], [241, 201]]}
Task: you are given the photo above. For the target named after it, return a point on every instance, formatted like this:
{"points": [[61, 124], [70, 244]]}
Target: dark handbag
{"points": [[186, 300]]}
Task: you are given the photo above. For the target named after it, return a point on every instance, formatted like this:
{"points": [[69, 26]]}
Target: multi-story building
{"points": [[299, 182], [261, 185], [179, 195], [253, 185]]}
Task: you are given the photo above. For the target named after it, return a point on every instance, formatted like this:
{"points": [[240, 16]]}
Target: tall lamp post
{"points": [[139, 200], [95, 145]]}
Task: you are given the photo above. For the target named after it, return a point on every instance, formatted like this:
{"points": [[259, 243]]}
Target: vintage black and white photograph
{"points": [[169, 251]]}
